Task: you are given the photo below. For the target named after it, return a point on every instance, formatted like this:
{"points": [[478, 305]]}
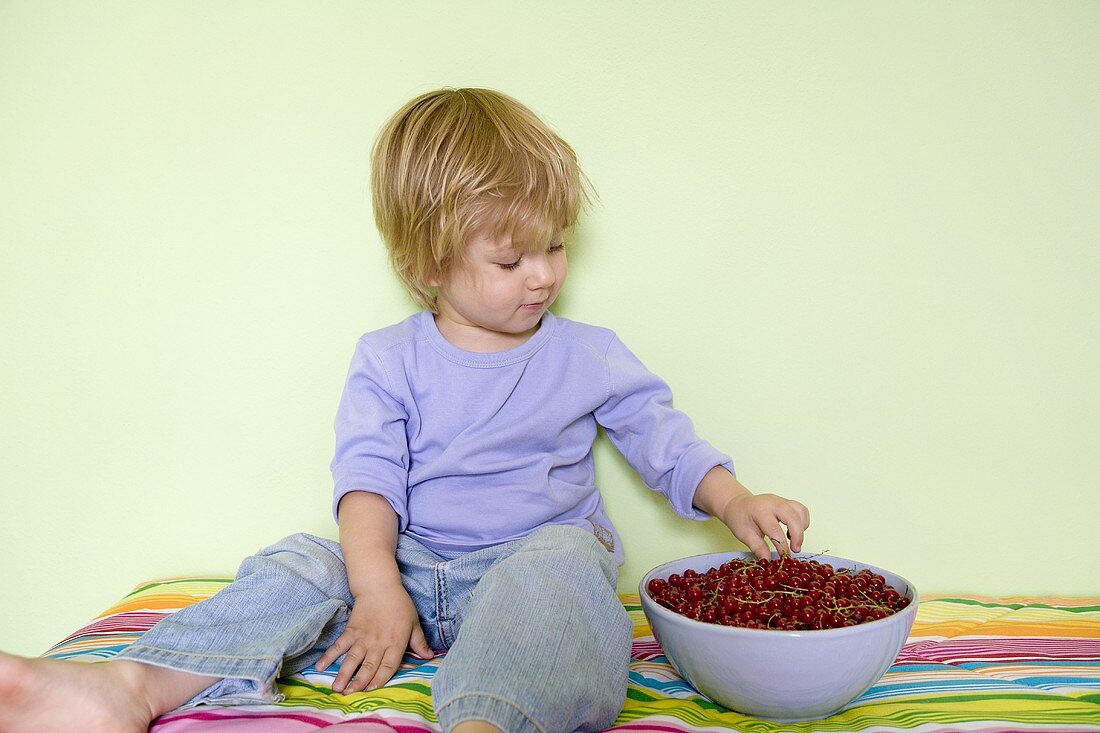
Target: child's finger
{"points": [[368, 668], [756, 544], [331, 654], [345, 678], [774, 532], [794, 528], [780, 542], [419, 644], [391, 661]]}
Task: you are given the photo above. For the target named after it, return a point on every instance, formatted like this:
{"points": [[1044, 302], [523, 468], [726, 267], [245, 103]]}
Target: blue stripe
{"points": [[670, 688]]}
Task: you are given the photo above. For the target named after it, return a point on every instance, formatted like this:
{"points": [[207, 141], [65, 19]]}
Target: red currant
{"points": [[792, 594]]}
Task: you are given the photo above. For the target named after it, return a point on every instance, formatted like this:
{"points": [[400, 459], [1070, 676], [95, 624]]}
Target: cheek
{"points": [[495, 287], [561, 272], [476, 283]]}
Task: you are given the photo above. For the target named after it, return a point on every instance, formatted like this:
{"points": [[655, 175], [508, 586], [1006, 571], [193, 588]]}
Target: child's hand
{"points": [[382, 625], [752, 517]]}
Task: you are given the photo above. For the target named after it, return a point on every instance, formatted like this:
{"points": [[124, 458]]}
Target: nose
{"points": [[542, 275]]}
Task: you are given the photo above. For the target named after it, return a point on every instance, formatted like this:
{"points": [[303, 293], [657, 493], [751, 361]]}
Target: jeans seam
{"points": [[441, 604], [137, 646], [495, 698]]}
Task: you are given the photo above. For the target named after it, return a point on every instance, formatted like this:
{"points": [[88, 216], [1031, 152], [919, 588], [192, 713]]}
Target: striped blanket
{"points": [[971, 664]]}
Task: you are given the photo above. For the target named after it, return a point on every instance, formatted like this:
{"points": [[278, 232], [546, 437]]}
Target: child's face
{"points": [[494, 299]]}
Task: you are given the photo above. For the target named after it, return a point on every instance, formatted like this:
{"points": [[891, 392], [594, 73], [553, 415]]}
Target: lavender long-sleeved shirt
{"points": [[473, 449]]}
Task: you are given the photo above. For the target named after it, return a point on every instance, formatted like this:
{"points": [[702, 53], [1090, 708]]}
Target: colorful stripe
{"points": [[972, 663]]}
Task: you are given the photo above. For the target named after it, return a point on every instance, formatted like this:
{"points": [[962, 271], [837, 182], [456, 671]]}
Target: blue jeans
{"points": [[537, 638]]}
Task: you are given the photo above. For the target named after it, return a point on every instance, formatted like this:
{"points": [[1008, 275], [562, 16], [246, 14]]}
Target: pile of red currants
{"points": [[789, 594]]}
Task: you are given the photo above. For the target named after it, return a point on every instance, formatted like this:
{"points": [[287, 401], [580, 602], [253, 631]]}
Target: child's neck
{"points": [[480, 340]]}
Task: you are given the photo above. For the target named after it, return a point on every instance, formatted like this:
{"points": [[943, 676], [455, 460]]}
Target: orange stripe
{"points": [[158, 601]]}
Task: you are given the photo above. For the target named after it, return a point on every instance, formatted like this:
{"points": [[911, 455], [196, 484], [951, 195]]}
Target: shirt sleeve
{"points": [[656, 439], [372, 451]]}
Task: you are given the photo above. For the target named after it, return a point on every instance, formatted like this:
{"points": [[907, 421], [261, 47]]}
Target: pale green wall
{"points": [[860, 240]]}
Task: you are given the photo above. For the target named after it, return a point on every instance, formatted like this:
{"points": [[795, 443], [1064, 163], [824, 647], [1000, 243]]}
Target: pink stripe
{"points": [[1012, 650], [645, 649], [129, 622], [234, 719]]}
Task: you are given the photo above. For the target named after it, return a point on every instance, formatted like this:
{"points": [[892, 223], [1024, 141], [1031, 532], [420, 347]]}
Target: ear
{"points": [[436, 277]]}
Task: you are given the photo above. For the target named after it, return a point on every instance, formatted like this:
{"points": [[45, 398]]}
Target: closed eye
{"points": [[514, 265]]}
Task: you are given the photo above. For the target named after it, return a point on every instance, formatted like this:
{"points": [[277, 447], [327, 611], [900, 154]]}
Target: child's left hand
{"points": [[752, 517]]}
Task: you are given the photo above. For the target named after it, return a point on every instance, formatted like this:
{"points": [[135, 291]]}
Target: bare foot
{"points": [[48, 695]]}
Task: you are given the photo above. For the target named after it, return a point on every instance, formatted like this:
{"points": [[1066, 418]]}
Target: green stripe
{"points": [[636, 693], [1014, 606], [147, 586], [359, 703], [902, 714]]}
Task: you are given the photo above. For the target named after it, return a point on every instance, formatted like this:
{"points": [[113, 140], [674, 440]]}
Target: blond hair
{"points": [[454, 163]]}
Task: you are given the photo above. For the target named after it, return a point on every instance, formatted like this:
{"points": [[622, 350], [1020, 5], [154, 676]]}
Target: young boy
{"points": [[464, 484]]}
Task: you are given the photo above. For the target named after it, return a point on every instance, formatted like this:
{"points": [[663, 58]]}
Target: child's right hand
{"points": [[382, 625]]}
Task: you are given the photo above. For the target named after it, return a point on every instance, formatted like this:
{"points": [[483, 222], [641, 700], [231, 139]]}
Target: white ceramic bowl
{"points": [[778, 675]]}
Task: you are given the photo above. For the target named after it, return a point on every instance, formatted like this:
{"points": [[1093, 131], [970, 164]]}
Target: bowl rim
{"points": [[650, 605]]}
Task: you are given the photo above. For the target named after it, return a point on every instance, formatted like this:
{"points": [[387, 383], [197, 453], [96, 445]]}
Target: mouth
{"points": [[539, 304]]}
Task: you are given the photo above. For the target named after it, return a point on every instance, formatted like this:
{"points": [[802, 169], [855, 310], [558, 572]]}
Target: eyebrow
{"points": [[513, 247], [502, 253]]}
